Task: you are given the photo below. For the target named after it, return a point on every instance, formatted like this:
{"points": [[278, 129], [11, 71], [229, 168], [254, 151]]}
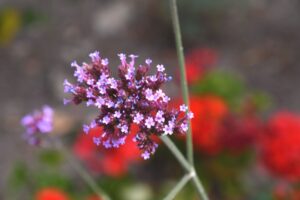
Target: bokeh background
{"points": [[257, 41]]}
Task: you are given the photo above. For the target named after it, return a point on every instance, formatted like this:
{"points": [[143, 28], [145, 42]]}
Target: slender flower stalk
{"points": [[176, 152], [199, 186], [184, 180], [183, 79], [186, 165], [79, 169], [189, 143]]}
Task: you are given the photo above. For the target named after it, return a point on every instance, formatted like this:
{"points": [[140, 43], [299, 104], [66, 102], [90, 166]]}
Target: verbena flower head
{"points": [[38, 122], [132, 98]]}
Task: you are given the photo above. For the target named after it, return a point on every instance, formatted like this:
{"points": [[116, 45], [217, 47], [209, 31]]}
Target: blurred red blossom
{"points": [[216, 129], [198, 61], [51, 194], [111, 162], [239, 132], [280, 147], [209, 112], [285, 192]]}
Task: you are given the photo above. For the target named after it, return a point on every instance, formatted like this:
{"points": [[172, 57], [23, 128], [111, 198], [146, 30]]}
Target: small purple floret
{"points": [[160, 68], [36, 123], [183, 108], [97, 140], [95, 56], [86, 129], [190, 115]]}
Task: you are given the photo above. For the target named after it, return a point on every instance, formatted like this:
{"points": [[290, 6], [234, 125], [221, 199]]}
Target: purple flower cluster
{"points": [[40, 121], [135, 98]]}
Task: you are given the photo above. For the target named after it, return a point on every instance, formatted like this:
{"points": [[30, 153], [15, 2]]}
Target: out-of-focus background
{"points": [[256, 41]]}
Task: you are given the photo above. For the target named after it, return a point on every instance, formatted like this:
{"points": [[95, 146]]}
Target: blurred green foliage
{"points": [[19, 175], [223, 84], [51, 158], [261, 100], [232, 89], [12, 20]]}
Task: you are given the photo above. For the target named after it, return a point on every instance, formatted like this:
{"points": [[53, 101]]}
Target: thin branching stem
{"points": [[185, 93], [186, 165], [176, 152], [178, 187], [199, 187], [79, 169], [183, 80]]}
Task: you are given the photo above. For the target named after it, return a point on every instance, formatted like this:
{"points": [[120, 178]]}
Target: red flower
{"points": [[280, 146], [51, 194], [111, 162], [238, 133], [198, 61], [209, 112]]}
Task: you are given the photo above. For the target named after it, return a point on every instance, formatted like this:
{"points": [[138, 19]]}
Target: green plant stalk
{"points": [[185, 93], [197, 183], [179, 156], [184, 180], [79, 169], [183, 80], [190, 171]]}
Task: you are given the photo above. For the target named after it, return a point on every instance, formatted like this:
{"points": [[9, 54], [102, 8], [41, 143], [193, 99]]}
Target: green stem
{"points": [[186, 165], [199, 187], [185, 94], [178, 187], [183, 80], [80, 169], [179, 156]]}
